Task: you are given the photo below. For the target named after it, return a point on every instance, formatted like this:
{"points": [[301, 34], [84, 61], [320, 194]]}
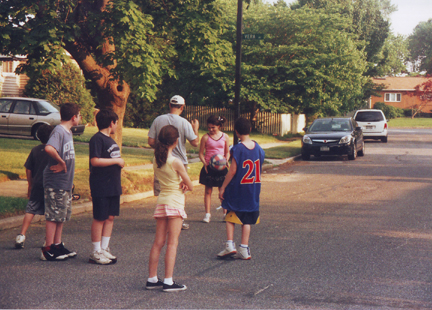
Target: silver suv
{"points": [[23, 116], [373, 123]]}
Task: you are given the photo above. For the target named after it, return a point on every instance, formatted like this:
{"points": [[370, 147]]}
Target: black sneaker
{"points": [[174, 287], [51, 253], [153, 286], [64, 251]]}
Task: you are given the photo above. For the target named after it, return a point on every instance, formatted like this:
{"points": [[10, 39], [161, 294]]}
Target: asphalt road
{"points": [[334, 234]]}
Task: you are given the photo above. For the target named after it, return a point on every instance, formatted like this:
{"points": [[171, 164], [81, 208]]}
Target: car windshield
{"points": [[46, 107], [369, 116], [330, 125]]}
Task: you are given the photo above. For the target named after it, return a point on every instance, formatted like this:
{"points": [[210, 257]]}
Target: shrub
{"points": [[388, 110], [60, 85]]}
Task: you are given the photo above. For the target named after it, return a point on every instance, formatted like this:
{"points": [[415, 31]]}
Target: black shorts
{"points": [[103, 207], [243, 218], [214, 178]]}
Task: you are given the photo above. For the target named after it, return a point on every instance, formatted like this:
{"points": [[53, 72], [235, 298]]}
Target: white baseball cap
{"points": [[177, 100]]}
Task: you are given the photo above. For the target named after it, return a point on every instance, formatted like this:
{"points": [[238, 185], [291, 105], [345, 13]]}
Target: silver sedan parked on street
{"points": [[23, 116]]}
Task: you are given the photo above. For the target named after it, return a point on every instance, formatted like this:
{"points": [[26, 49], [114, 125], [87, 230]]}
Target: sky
{"points": [[409, 13]]}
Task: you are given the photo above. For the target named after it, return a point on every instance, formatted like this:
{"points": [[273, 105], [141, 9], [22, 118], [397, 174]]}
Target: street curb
{"points": [[77, 208], [277, 162], [16, 221]]}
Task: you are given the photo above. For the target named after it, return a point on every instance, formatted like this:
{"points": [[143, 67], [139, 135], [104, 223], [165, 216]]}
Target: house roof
{"points": [[407, 83], [11, 58]]}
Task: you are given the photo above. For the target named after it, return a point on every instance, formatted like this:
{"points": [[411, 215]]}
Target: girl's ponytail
{"points": [[168, 135]]}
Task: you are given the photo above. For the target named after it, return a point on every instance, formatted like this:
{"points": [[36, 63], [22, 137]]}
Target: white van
{"points": [[373, 123]]}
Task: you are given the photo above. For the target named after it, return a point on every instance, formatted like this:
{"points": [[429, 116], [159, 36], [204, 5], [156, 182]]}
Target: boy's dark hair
{"points": [[44, 132], [68, 110], [105, 117], [167, 136], [216, 120], [243, 126]]}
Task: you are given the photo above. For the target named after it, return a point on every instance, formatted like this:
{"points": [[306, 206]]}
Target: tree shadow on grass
{"points": [[8, 176]]}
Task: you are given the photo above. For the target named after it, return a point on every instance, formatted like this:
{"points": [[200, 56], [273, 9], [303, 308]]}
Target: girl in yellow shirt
{"points": [[169, 214]]}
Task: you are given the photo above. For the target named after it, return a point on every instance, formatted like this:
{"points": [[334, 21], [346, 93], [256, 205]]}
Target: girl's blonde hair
{"points": [[167, 136]]}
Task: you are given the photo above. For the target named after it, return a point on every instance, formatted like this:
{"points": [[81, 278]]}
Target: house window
{"points": [[391, 97]]}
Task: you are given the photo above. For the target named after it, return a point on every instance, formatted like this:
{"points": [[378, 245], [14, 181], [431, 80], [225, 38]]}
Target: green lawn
{"points": [[11, 206], [285, 151], [407, 122]]}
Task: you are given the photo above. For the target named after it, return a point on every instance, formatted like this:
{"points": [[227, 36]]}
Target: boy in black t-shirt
{"points": [[35, 165], [105, 185]]}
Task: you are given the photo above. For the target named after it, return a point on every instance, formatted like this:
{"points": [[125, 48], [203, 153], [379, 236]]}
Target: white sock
{"points": [[96, 246], [105, 242], [168, 281], [153, 280], [244, 246]]}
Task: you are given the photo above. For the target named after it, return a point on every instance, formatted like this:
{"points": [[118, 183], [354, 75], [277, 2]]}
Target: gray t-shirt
{"points": [[62, 141], [185, 131]]}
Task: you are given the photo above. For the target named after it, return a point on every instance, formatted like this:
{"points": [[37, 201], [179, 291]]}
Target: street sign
{"points": [[254, 36]]}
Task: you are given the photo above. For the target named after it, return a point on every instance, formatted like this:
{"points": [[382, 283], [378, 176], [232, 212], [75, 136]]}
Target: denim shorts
{"points": [[58, 204]]}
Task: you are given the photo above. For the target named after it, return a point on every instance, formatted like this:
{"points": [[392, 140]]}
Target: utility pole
{"points": [[238, 64]]}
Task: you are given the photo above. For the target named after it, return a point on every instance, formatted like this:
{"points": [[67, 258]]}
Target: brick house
{"points": [[397, 93]]}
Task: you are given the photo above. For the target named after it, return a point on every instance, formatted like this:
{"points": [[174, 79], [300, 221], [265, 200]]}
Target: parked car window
{"points": [[22, 107], [330, 125], [46, 107], [369, 116], [5, 105]]}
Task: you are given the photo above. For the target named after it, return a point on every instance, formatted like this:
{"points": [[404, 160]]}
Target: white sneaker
{"points": [[97, 257], [107, 254], [19, 241], [207, 218], [229, 250], [244, 253], [185, 226]]}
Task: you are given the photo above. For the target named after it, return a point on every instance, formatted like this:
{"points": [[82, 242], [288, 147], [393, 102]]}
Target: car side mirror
{"points": [[305, 129], [358, 128]]}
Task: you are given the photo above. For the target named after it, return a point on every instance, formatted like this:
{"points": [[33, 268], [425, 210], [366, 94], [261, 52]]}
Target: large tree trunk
{"points": [[111, 94], [114, 97]]}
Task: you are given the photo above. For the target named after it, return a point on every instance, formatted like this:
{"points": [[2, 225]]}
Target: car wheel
{"points": [[353, 156], [362, 151], [305, 156], [384, 139], [34, 132]]}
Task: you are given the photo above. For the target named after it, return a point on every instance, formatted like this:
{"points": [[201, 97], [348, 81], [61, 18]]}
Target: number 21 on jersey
{"points": [[251, 166]]}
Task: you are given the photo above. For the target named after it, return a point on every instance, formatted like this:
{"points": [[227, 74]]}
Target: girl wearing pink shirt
{"points": [[214, 142]]}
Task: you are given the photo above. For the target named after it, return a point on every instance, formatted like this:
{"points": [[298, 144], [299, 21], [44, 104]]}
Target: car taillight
{"points": [[385, 126]]}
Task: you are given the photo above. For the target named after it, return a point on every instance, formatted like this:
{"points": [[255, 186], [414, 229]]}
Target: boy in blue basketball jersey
{"points": [[241, 189]]}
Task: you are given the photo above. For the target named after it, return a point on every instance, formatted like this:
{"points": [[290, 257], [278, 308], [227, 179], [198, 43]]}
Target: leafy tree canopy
{"points": [[369, 20], [120, 45], [307, 63], [420, 45], [393, 56]]}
